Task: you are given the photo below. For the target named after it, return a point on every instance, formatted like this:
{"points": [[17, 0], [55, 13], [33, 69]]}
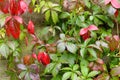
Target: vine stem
{"points": [[117, 27]]}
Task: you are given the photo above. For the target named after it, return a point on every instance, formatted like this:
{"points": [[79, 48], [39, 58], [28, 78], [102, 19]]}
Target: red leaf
{"points": [[17, 7], [107, 38], [30, 10], [116, 13], [43, 58], [13, 7], [39, 56], [4, 6], [19, 19], [22, 7], [92, 27], [83, 31], [8, 19], [5, 9], [13, 28], [86, 36], [30, 27], [89, 28], [115, 3], [34, 55], [8, 31]]}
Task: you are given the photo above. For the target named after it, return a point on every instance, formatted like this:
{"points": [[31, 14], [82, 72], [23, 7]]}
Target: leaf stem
{"points": [[117, 27]]}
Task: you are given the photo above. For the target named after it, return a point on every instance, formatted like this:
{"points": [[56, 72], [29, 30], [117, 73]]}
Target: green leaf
{"points": [[110, 23], [97, 21], [55, 5], [114, 78], [54, 57], [49, 4], [61, 47], [102, 43], [106, 19], [93, 73], [74, 76], [54, 16], [33, 2], [91, 18], [82, 19], [71, 47], [57, 8], [78, 72], [56, 69], [75, 67], [42, 3], [87, 3], [84, 67], [22, 36], [97, 9], [92, 52], [62, 36], [16, 53], [66, 75], [89, 79], [96, 47], [102, 17], [87, 42], [2, 19], [71, 59], [2, 33], [22, 74], [13, 45], [4, 50], [44, 31], [47, 15], [58, 77], [27, 76], [49, 67], [44, 9], [83, 51], [64, 15], [68, 58], [58, 28], [66, 69]]}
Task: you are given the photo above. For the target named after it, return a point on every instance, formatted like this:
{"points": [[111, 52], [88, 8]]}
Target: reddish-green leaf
{"points": [[103, 76], [115, 71]]}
